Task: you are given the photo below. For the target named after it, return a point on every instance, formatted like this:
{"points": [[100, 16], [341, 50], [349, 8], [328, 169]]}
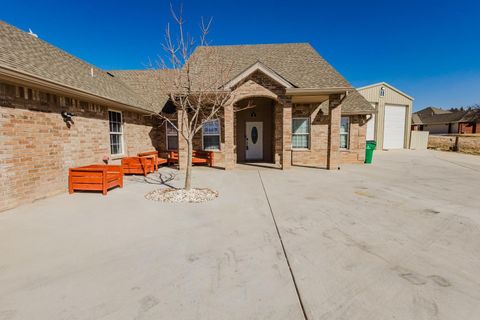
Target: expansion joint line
{"points": [[299, 296]]}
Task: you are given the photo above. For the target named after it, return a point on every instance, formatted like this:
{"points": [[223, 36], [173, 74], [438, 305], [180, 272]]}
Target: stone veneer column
{"points": [[229, 128], [182, 143], [287, 134], [334, 113]]}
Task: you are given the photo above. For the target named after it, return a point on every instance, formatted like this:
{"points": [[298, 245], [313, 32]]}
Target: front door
{"points": [[254, 141]]}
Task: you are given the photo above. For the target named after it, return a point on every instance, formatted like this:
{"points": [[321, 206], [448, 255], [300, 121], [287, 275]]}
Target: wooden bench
{"points": [[198, 157], [157, 160], [96, 177], [138, 165]]}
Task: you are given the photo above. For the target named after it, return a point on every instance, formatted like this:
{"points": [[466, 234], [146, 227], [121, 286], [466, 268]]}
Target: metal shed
{"points": [[390, 125]]}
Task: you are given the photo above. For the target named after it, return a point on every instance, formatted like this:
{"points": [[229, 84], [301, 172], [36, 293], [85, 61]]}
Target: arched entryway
{"points": [[254, 130]]}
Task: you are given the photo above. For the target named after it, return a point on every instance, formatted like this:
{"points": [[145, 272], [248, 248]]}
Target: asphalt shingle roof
{"points": [[25, 53], [355, 103], [152, 85], [434, 115], [298, 63]]}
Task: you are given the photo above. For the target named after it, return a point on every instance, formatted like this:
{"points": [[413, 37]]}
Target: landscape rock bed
{"points": [[181, 195]]}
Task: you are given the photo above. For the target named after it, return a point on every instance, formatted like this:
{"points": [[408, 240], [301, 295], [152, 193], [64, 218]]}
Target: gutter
{"points": [[14, 75], [358, 112], [448, 122], [317, 91]]}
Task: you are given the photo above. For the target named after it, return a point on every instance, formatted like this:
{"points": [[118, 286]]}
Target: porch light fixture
{"points": [[253, 114], [67, 118]]}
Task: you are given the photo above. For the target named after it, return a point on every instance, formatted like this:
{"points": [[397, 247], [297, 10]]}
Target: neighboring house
{"points": [[305, 113], [440, 121], [390, 125]]}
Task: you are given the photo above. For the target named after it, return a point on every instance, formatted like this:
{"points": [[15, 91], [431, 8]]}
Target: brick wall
{"points": [[37, 147], [467, 127], [250, 87], [357, 141], [219, 155], [316, 155]]}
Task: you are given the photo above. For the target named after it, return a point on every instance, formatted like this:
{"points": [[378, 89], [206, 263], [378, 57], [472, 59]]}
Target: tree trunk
{"points": [[188, 173]]}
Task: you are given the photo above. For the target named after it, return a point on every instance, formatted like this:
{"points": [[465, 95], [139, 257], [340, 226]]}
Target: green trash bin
{"points": [[369, 151]]}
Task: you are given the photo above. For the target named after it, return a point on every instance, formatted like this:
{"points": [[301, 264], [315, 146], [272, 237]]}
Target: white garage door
{"points": [[394, 127]]}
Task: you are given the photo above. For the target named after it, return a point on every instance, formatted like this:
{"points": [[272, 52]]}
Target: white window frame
{"points": [[347, 133], [219, 134], [121, 134], [171, 134], [302, 134]]}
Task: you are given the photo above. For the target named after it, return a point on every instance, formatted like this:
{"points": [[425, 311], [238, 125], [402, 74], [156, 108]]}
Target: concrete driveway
{"points": [[399, 239]]}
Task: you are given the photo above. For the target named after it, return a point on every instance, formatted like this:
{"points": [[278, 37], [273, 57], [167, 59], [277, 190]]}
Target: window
{"points": [[172, 136], [211, 135], [300, 133], [344, 132], [21, 92], [116, 132], [69, 102]]}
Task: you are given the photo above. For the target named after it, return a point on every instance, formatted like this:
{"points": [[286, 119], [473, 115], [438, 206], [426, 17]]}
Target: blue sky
{"points": [[428, 49]]}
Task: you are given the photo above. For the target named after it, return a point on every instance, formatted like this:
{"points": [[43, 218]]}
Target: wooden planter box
{"points": [[96, 177], [138, 165]]}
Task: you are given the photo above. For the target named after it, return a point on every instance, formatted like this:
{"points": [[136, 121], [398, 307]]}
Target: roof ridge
{"points": [[254, 44]]}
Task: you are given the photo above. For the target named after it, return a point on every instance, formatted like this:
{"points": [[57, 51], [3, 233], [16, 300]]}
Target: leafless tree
{"points": [[196, 94]]}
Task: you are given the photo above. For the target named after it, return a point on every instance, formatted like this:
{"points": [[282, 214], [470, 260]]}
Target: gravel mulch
{"points": [[181, 195]]}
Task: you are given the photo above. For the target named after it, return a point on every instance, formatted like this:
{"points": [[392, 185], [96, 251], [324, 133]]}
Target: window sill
{"points": [[301, 149], [117, 156]]}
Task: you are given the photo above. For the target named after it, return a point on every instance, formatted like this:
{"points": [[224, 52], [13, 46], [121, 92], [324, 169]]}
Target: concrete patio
{"points": [[399, 239]]}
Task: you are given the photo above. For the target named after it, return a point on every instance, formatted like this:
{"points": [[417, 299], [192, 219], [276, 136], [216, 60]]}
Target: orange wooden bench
{"points": [[198, 157], [157, 160], [96, 177], [138, 165]]}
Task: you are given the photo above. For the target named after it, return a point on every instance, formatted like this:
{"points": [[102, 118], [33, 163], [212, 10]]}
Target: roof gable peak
{"points": [[383, 83], [258, 66]]}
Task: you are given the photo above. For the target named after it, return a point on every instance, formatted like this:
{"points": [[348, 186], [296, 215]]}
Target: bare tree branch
{"points": [[196, 94]]}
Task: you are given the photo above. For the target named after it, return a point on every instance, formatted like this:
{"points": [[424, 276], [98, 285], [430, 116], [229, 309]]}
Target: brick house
{"points": [[305, 113], [441, 121]]}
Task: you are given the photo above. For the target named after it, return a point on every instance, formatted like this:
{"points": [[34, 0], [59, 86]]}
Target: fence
{"points": [[465, 143], [419, 140]]}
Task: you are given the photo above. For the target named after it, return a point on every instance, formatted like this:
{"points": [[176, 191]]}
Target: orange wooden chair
{"points": [[198, 157], [96, 177], [172, 157], [138, 165], [203, 157], [157, 160]]}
